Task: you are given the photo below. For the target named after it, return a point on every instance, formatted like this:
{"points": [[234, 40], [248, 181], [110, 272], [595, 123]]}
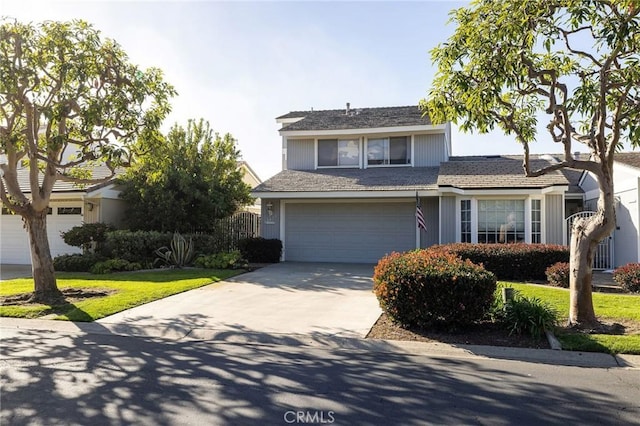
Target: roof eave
{"points": [[423, 128]]}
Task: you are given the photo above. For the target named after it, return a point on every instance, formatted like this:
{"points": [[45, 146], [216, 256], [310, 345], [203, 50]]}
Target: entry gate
{"points": [[603, 258]]}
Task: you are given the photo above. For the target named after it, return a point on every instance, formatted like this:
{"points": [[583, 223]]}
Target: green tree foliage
{"points": [[574, 63], [185, 181], [70, 101]]}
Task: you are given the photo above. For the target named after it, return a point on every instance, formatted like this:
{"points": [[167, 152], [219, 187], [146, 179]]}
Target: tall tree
{"points": [[188, 184], [577, 61], [69, 101]]}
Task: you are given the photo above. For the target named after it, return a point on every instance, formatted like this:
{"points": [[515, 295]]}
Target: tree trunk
{"points": [[586, 233], [582, 249], [45, 289]]}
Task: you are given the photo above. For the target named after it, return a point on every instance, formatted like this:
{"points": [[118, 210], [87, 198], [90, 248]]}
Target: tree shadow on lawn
{"points": [[56, 378], [155, 275]]}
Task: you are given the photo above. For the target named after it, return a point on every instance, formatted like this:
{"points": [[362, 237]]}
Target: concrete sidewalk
{"points": [[280, 299]]}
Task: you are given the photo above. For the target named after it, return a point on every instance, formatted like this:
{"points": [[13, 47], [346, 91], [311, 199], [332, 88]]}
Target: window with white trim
{"points": [[388, 151], [338, 152], [536, 221], [465, 221], [500, 221]]}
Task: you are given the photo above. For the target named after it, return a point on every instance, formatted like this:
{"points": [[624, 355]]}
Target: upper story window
{"points": [[385, 151], [338, 152]]}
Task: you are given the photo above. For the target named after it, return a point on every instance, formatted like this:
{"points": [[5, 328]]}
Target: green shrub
{"points": [[529, 315], [230, 260], [86, 234], [628, 277], [75, 262], [518, 261], [114, 265], [138, 246], [433, 288], [558, 274], [180, 253], [261, 250]]}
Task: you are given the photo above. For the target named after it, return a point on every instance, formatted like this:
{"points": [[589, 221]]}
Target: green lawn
{"points": [[609, 307], [129, 289]]}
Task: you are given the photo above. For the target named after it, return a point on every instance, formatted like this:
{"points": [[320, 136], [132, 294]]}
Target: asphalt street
{"points": [[54, 378]]}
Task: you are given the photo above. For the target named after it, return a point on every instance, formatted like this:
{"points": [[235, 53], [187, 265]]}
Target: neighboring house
{"points": [[70, 206], [250, 178], [626, 177], [350, 178]]}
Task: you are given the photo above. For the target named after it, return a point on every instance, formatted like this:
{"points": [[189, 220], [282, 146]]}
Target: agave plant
{"points": [[179, 254]]}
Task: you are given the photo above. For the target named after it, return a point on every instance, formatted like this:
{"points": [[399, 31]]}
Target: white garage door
{"points": [[348, 232], [14, 243]]}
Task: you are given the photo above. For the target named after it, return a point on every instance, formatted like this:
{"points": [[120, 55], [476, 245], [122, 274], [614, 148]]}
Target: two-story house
{"points": [[352, 179]]}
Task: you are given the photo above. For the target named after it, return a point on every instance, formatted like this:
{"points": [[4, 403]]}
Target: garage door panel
{"points": [[342, 232], [14, 241]]}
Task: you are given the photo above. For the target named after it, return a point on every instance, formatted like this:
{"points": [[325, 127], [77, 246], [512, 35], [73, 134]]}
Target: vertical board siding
{"points": [[270, 226], [300, 154], [554, 219], [447, 220], [429, 150], [431, 210]]}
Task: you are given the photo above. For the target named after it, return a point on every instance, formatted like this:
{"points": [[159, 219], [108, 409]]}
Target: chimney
{"points": [[348, 108]]}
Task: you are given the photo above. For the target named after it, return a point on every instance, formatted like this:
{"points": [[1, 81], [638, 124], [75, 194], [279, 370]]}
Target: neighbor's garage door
{"points": [[14, 243], [348, 232]]}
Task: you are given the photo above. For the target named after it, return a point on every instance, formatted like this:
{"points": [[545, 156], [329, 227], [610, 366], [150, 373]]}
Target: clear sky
{"points": [[239, 65]]}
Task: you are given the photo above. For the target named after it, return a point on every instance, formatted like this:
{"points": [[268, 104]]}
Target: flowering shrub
{"points": [[628, 276], [433, 288], [512, 261], [558, 274]]}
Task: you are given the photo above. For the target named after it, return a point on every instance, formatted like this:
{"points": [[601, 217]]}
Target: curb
{"points": [[351, 343]]}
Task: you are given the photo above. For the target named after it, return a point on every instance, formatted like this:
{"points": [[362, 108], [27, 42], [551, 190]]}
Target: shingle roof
{"points": [[98, 172], [495, 172], [357, 118], [629, 158], [374, 179]]}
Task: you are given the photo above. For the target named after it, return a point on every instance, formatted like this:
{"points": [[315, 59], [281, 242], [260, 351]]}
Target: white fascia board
{"points": [[345, 194], [365, 131], [288, 120], [105, 192], [505, 191]]}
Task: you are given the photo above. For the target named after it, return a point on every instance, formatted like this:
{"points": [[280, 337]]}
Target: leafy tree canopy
{"points": [[510, 62], [575, 60], [70, 103], [185, 181]]}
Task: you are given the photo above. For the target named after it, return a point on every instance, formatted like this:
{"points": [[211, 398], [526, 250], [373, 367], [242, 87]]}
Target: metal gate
{"points": [[603, 258]]}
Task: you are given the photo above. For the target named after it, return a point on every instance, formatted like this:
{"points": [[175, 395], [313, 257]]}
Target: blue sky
{"points": [[241, 64]]}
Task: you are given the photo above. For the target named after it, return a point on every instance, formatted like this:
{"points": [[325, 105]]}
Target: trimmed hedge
{"points": [[517, 262], [141, 246], [628, 277], [260, 250], [75, 262], [558, 274], [433, 288]]}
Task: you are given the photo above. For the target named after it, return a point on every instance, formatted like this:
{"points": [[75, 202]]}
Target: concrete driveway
{"points": [[285, 300]]}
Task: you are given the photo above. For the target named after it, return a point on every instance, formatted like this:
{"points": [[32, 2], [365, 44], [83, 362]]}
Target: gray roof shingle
{"points": [[629, 158], [98, 172], [357, 118], [495, 172], [374, 179]]}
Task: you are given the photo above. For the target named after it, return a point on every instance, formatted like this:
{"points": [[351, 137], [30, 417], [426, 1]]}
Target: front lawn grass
{"points": [[129, 289], [610, 307]]}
